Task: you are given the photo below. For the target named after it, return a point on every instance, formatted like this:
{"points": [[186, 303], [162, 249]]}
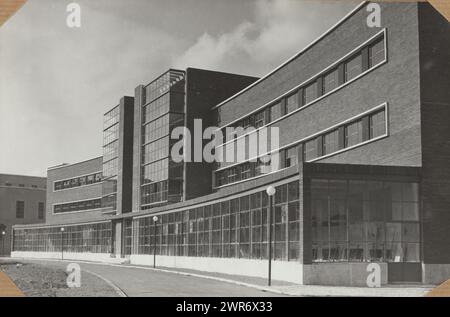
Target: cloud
{"points": [[278, 30]]}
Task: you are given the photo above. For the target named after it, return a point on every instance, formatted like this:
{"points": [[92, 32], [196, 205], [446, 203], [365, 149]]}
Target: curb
{"points": [[117, 289], [123, 294]]}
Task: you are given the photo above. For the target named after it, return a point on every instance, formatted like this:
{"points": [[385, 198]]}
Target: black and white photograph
{"points": [[224, 154]]}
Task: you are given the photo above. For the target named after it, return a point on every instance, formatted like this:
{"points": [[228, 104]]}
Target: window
{"points": [[89, 238], [291, 157], [377, 124], [275, 112], [376, 52], [292, 102], [234, 228], [311, 149], [331, 142], [353, 220], [259, 119], [20, 209], [310, 93], [353, 67], [353, 133], [77, 206], [41, 210], [330, 81], [78, 181], [154, 193]]}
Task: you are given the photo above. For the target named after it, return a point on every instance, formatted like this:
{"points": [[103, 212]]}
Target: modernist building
{"points": [[362, 176], [22, 201]]}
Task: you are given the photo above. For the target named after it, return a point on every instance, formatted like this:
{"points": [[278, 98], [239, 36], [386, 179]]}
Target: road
{"points": [[142, 282]]}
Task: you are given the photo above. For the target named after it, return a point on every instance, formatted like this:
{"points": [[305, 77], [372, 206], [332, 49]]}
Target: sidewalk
{"points": [[291, 289]]}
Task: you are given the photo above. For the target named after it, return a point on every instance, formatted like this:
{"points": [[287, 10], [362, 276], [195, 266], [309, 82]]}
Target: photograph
{"points": [[225, 155]]}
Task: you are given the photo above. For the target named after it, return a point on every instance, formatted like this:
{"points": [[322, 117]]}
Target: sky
{"points": [[57, 82]]}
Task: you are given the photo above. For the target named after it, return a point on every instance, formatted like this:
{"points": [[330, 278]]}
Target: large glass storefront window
{"points": [[235, 228], [357, 220], [89, 238]]}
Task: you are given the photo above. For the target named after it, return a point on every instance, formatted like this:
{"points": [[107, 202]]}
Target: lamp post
{"points": [[270, 192], [62, 243], [155, 220], [3, 242]]}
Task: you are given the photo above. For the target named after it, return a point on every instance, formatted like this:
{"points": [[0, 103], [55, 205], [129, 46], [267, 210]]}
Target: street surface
{"points": [[138, 282]]}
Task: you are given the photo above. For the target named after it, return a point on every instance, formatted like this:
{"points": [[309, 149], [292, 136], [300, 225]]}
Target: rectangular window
{"points": [[310, 93], [41, 210], [331, 142], [291, 157], [357, 214], [377, 124], [353, 133], [376, 53], [78, 181], [292, 102], [275, 111], [353, 67], [20, 209], [330, 81], [77, 206], [311, 150], [260, 119]]}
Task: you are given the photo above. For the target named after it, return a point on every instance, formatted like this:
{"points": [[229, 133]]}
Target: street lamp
{"points": [[155, 220], [62, 243], [270, 192], [3, 242]]}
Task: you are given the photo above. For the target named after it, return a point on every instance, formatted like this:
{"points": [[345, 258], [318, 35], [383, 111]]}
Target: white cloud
{"points": [[279, 29]]}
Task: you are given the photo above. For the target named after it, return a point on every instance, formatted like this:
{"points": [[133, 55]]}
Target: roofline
{"points": [[67, 165], [21, 175], [337, 24], [159, 76], [221, 72], [111, 109]]}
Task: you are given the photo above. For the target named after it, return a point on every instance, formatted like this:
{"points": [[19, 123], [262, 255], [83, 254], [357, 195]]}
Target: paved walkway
{"points": [[292, 289]]}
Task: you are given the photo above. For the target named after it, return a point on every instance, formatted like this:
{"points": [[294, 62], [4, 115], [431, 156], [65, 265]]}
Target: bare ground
{"points": [[36, 280]]}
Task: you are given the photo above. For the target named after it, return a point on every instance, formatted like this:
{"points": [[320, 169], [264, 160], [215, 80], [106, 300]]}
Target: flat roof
{"points": [[71, 164]]}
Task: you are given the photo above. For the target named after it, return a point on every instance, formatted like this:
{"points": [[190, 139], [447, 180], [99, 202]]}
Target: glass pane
{"points": [[410, 192], [330, 81], [310, 93], [353, 67], [410, 211], [356, 252], [394, 252], [338, 251], [411, 232], [393, 231], [374, 252], [411, 252]]}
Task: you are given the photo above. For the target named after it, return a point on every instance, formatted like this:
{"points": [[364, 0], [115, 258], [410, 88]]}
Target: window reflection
{"points": [[360, 220]]}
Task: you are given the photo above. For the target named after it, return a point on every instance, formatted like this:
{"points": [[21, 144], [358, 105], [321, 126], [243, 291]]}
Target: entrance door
{"points": [[404, 272]]}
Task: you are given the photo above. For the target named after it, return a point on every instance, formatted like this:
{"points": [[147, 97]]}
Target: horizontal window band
{"points": [[321, 73], [312, 136]]}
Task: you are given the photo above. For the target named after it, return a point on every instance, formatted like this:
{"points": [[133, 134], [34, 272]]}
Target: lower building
{"points": [[22, 201], [361, 180]]}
